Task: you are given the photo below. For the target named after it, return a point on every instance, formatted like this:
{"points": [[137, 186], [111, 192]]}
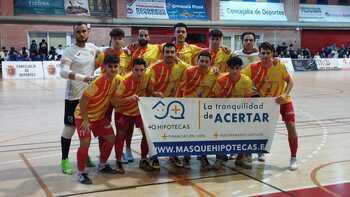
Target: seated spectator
{"points": [[23, 57], [34, 56], [12, 56]]}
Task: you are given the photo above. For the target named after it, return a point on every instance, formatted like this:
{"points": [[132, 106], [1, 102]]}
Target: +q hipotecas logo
{"points": [[174, 110]]}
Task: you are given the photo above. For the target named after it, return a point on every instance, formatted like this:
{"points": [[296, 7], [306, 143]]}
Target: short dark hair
{"points": [[81, 23], [204, 53], [167, 45], [139, 61], [233, 62], [117, 32], [180, 25], [248, 33], [267, 46], [215, 33], [110, 58]]}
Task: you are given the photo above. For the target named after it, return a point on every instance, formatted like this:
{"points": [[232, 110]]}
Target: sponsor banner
{"points": [[155, 9], [289, 64], [167, 9], [195, 126], [22, 70], [256, 11], [184, 10], [344, 63], [77, 7], [304, 64], [51, 69], [324, 13], [327, 64], [41, 7]]}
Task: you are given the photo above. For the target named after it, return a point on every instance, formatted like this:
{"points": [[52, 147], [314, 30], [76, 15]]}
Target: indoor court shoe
{"points": [[124, 159], [243, 164], [84, 179], [145, 165], [261, 157], [186, 163], [66, 167], [219, 164], [106, 169], [176, 162], [119, 167], [205, 165], [89, 163], [128, 155], [155, 164], [293, 164]]}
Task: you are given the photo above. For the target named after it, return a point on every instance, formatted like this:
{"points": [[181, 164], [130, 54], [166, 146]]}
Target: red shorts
{"points": [[287, 112], [123, 121], [101, 127]]}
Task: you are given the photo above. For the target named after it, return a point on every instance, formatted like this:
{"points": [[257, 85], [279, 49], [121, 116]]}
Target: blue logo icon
{"points": [[175, 110]]}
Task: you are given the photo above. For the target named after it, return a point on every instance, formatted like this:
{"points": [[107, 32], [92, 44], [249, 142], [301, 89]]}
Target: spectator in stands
{"points": [[317, 56], [52, 53], [33, 46], [2, 54], [34, 56], [323, 53], [23, 57], [342, 52], [59, 50], [292, 52], [43, 47], [12, 56]]}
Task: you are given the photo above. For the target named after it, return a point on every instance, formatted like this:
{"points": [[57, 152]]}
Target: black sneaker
{"points": [[155, 164], [119, 168], [205, 165], [176, 162], [84, 179], [107, 170], [186, 162], [144, 165]]}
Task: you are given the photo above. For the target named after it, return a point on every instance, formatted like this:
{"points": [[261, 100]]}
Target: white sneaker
{"points": [[261, 157], [293, 164]]}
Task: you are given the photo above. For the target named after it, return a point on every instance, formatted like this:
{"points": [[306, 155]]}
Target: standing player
{"points": [[77, 65], [249, 54], [143, 49], [219, 54], [91, 116], [233, 84], [127, 113], [150, 53], [273, 80], [117, 42], [197, 82], [186, 52], [165, 77]]}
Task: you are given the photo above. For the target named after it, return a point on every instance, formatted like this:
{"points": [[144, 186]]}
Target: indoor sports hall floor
{"points": [[32, 117]]}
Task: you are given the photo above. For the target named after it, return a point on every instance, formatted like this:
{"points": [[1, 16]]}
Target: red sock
{"points": [[293, 146], [105, 151], [100, 142], [119, 143], [144, 147], [82, 156], [129, 137]]}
